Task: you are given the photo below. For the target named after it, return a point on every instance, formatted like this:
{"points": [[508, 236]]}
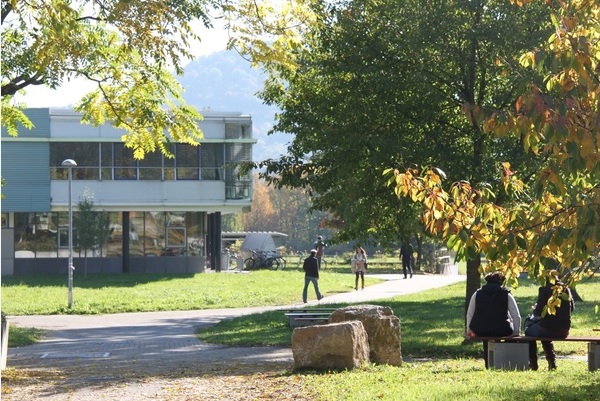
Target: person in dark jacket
{"points": [[311, 275], [493, 312], [406, 256], [549, 325]]}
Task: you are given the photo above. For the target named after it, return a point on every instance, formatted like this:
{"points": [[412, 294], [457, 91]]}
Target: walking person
{"points": [[406, 256], [359, 266], [544, 324], [311, 275], [320, 246], [493, 312]]}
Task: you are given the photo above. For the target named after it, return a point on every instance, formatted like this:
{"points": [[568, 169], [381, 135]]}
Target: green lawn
{"points": [[116, 293], [438, 365]]}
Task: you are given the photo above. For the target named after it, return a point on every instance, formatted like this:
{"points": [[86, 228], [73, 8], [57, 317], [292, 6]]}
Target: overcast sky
{"points": [[69, 93]]}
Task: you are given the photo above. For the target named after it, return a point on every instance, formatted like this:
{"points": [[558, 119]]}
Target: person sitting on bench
{"points": [[493, 312], [549, 325]]}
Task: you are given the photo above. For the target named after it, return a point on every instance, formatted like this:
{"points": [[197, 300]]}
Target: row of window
{"points": [[113, 161]]}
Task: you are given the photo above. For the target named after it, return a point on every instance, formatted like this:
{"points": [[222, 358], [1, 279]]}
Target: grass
{"points": [[438, 365], [21, 336], [431, 322], [117, 293], [456, 380]]}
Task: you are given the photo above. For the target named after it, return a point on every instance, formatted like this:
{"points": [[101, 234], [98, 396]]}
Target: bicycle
{"points": [[300, 260], [258, 261]]}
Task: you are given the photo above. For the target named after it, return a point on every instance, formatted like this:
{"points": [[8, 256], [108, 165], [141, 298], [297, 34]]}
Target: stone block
{"points": [[382, 327], [508, 355], [331, 346]]}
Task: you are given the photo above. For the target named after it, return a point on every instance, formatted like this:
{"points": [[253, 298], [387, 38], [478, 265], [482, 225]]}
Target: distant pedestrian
{"points": [[359, 266], [311, 275], [406, 256], [320, 246]]}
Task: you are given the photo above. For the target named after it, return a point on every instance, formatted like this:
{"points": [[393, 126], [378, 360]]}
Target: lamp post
{"points": [[70, 163]]}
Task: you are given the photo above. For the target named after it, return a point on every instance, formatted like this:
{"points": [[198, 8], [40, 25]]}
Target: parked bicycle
{"points": [[300, 261], [259, 260]]}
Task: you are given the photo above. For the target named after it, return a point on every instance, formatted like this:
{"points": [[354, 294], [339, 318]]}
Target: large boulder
{"points": [[331, 346], [383, 330]]}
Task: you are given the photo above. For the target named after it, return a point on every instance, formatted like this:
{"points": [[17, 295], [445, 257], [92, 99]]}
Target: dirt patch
{"points": [[239, 383]]}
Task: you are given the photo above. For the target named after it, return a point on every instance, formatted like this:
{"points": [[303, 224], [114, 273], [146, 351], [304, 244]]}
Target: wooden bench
{"points": [[307, 317], [510, 352]]}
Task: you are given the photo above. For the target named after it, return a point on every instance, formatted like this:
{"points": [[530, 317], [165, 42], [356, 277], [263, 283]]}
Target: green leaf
{"points": [[522, 242]]}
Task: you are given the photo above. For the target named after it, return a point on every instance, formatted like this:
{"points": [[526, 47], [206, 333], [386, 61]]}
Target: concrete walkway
{"points": [[158, 342]]}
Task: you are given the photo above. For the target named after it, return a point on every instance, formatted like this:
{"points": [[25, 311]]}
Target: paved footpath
{"points": [[157, 343], [161, 337]]}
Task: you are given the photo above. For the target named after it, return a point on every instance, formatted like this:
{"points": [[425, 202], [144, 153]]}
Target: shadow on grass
{"points": [[94, 280], [435, 334]]}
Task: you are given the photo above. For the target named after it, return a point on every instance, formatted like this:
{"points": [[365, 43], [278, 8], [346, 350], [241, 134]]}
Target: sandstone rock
{"points": [[331, 346], [382, 327]]}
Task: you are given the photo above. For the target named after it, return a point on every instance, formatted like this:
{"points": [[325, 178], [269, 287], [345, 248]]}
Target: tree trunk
{"points": [[576, 296], [473, 281], [419, 241]]}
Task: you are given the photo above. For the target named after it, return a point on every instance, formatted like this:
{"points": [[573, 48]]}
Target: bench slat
{"points": [[308, 314], [517, 339]]}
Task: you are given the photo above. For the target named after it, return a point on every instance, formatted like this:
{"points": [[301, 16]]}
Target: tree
{"points": [[92, 227], [376, 84], [553, 221], [125, 47]]}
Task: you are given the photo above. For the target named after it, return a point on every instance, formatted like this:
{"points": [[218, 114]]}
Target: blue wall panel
{"points": [[41, 121], [26, 171]]}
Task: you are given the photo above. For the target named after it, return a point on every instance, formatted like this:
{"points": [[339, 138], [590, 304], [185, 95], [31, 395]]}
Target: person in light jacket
{"points": [[493, 312], [359, 266]]}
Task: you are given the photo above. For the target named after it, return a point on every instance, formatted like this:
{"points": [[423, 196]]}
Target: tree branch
{"points": [[20, 82], [6, 9]]}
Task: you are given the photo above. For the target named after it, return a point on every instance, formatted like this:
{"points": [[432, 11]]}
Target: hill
{"points": [[224, 81]]}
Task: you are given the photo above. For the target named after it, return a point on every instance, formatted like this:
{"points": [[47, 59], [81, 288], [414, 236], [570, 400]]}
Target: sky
{"points": [[213, 40]]}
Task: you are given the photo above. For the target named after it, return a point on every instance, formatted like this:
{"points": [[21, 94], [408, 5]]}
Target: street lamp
{"points": [[70, 163]]}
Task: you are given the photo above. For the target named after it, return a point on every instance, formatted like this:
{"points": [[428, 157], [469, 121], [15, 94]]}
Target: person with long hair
{"points": [[359, 266]]}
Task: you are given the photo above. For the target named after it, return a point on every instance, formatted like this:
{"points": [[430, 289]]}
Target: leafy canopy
{"points": [[126, 47], [552, 222], [378, 83]]}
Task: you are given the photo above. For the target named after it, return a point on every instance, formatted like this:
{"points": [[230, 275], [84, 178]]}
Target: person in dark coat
{"points": [[546, 325], [406, 256], [493, 312], [311, 275]]}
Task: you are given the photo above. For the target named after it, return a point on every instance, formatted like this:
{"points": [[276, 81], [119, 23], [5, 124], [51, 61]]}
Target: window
{"points": [[151, 166], [114, 161], [175, 237], [125, 165], [211, 161], [187, 161], [85, 154]]}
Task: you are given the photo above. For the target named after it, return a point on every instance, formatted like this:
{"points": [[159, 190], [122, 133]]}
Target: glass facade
{"points": [[113, 161], [45, 235]]}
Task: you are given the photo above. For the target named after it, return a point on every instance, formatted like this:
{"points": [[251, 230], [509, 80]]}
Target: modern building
{"points": [[156, 215]]}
